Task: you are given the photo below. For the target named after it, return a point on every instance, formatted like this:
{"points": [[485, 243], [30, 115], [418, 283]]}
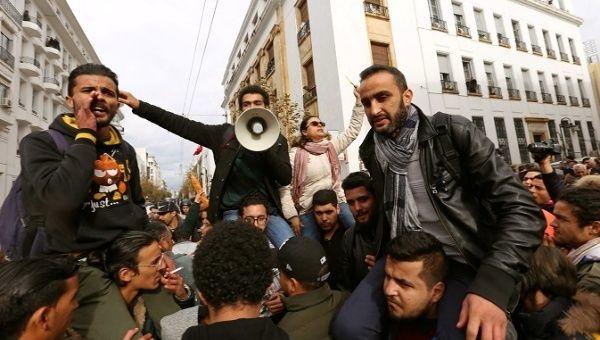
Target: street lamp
{"points": [[565, 124]]}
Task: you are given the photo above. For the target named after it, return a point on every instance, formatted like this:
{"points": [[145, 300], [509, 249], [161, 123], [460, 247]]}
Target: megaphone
{"points": [[257, 129]]}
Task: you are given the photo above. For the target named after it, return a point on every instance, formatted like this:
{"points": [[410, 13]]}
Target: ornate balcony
{"points": [[495, 92], [376, 9], [30, 66], [551, 54], [7, 57], [531, 96], [51, 85], [303, 32], [463, 31], [561, 100], [503, 41], [473, 89], [514, 94], [449, 87], [547, 98], [521, 46], [536, 49], [564, 57], [438, 24], [574, 101], [10, 9], [585, 102], [484, 36]]}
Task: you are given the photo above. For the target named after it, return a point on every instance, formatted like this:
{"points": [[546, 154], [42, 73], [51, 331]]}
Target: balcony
{"points": [[473, 89], [576, 60], [495, 92], [30, 66], [547, 98], [7, 57], [503, 41], [564, 57], [377, 10], [449, 87], [521, 46], [8, 7], [574, 101], [438, 25], [514, 94], [309, 95], [531, 96], [36, 83], [33, 28], [303, 32], [52, 48], [536, 49], [35, 113], [585, 102], [51, 85], [561, 100], [484, 36], [463, 31], [551, 54], [270, 68]]}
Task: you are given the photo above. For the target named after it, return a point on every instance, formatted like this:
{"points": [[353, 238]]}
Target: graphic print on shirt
{"points": [[109, 185]]}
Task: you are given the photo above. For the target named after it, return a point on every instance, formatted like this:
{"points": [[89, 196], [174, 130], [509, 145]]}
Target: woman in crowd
{"points": [[316, 166]]}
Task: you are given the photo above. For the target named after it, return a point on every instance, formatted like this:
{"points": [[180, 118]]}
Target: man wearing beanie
{"points": [[311, 304]]}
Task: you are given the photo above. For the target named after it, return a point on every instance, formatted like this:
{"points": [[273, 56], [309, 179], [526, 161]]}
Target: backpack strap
{"points": [[59, 139], [445, 144]]}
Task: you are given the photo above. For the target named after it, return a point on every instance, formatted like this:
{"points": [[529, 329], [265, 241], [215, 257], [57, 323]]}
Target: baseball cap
{"points": [[303, 259], [166, 206]]}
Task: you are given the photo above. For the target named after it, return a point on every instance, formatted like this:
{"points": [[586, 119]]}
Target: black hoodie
{"points": [[85, 197], [242, 329]]}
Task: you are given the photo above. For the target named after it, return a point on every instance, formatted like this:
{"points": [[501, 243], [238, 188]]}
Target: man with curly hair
{"points": [[233, 297]]}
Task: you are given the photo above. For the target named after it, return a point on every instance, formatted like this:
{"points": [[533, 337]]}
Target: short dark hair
{"points": [[233, 264], [124, 251], [324, 197], [377, 68], [181, 234], [253, 198], [91, 69], [158, 230], [415, 246], [29, 284], [358, 179], [550, 272], [253, 89], [585, 202]]}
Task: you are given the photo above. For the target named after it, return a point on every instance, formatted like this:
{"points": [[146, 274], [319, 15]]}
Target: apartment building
{"points": [[40, 43], [513, 67]]}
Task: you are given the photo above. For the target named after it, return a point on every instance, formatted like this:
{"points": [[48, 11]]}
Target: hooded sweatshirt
{"points": [[85, 197], [242, 329]]}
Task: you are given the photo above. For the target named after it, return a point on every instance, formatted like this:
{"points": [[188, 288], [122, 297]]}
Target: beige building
{"points": [[40, 43]]}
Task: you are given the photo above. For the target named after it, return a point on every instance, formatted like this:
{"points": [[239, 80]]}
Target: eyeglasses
{"points": [[157, 265], [253, 220], [316, 124]]}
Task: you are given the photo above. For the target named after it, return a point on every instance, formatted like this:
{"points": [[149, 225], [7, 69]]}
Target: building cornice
{"points": [[545, 7]]}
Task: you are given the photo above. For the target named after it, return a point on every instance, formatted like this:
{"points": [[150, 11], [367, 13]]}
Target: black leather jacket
{"points": [[492, 218]]}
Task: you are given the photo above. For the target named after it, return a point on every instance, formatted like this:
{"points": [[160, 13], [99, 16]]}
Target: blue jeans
{"points": [[312, 230], [278, 230]]}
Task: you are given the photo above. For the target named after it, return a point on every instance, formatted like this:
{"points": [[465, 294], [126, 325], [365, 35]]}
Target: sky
{"points": [[588, 10], [150, 44]]}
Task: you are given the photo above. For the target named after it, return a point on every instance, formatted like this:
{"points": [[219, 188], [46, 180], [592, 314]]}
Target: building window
{"points": [[434, 8], [592, 133], [576, 59], [516, 30], [380, 53], [448, 85], [4, 91], [303, 9], [552, 130], [532, 35], [570, 152], [502, 138], [459, 18], [521, 140], [310, 89], [582, 146], [478, 122]]}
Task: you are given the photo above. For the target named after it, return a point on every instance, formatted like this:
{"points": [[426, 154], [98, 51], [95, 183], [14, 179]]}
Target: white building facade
{"points": [[148, 167], [41, 42], [516, 68]]}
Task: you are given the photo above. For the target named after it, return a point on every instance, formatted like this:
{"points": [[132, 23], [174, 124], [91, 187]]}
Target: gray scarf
{"points": [[393, 156]]}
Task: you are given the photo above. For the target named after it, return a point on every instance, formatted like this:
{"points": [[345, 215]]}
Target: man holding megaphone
{"points": [[250, 156]]}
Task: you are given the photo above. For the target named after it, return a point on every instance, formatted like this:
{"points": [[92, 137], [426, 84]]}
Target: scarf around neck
{"points": [[589, 252], [394, 155], [301, 165]]}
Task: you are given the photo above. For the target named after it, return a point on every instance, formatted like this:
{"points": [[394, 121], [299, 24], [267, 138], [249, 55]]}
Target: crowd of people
{"points": [[437, 239]]}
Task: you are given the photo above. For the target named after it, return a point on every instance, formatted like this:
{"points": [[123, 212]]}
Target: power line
{"points": [[187, 87]]}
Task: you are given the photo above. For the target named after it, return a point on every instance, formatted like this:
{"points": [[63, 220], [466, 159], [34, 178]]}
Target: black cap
{"points": [[166, 206], [303, 259]]}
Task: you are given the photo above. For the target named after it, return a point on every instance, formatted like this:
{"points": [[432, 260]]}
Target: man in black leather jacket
{"points": [[486, 220]]}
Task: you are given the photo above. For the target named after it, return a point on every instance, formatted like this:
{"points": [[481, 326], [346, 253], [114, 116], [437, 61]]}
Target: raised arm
{"points": [[342, 141]]}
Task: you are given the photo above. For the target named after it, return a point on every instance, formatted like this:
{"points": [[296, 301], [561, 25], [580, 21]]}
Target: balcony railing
{"points": [[585, 102], [536, 49], [270, 67], [551, 54], [531, 96], [438, 24], [449, 86], [7, 57], [564, 57], [521, 46], [503, 41], [28, 60], [574, 101], [53, 42], [309, 95], [473, 89], [35, 113], [514, 94], [495, 92], [576, 60], [51, 80], [547, 98], [463, 31], [561, 100], [303, 31], [10, 9], [376, 9], [484, 36]]}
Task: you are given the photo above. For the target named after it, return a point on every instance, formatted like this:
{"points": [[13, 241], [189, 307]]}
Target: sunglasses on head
{"points": [[316, 124]]}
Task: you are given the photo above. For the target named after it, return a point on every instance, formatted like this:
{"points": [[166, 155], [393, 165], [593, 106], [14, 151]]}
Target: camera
{"points": [[542, 149]]}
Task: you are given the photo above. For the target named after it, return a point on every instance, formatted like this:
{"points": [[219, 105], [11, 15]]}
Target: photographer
{"points": [[542, 153]]}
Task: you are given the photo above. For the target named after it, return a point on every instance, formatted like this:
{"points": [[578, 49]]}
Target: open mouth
{"points": [[99, 109]]}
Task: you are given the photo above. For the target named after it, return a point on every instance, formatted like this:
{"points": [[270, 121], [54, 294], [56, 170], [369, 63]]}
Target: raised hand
{"points": [[128, 99], [84, 115]]}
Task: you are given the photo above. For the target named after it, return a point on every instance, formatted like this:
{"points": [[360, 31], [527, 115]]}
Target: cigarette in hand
{"points": [[175, 270]]}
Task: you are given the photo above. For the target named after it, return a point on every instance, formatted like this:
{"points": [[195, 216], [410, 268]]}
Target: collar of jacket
{"points": [[302, 301]]}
